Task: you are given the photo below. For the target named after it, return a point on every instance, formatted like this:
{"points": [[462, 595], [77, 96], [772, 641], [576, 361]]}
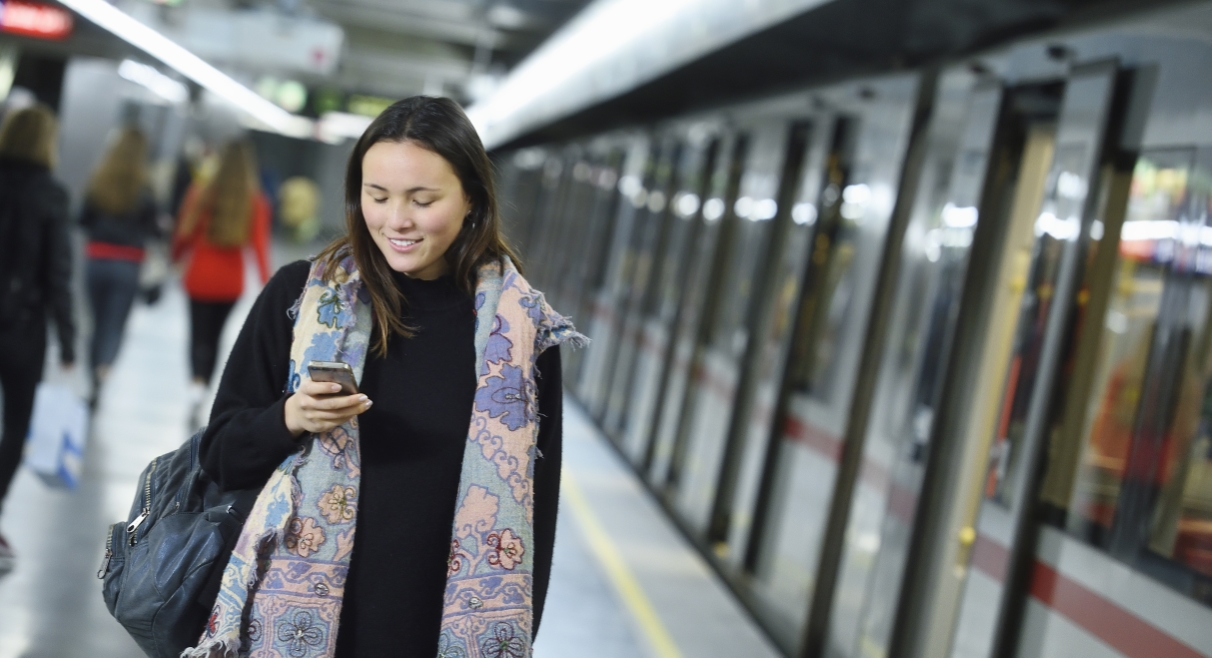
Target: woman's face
{"points": [[414, 207]]}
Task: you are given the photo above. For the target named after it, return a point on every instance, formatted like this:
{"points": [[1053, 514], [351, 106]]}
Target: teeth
{"points": [[403, 243]]}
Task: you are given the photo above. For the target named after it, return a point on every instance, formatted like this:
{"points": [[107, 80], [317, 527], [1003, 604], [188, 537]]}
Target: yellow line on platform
{"points": [[624, 581]]}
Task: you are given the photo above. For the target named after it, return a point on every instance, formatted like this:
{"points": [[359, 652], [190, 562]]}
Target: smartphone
{"points": [[334, 371]]}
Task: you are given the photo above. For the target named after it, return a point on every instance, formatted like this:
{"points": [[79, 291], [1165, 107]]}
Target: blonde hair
{"points": [[29, 134], [120, 178], [227, 198]]}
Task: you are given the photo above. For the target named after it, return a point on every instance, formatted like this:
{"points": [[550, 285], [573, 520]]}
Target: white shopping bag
{"points": [[54, 448]]}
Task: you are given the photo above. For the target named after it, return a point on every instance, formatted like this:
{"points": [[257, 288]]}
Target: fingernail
{"points": [[363, 398], [334, 388], [368, 403]]}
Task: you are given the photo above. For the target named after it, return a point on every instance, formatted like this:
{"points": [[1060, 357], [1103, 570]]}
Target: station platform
{"points": [[625, 583]]}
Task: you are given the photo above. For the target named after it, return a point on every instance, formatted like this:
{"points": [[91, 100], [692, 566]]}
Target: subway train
{"points": [[920, 362]]}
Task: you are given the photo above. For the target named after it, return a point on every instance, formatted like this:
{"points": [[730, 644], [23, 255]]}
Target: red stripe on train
{"points": [[1122, 630], [1127, 633]]}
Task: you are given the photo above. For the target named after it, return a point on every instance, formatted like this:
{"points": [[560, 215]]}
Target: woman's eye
{"points": [[423, 204], [383, 200]]}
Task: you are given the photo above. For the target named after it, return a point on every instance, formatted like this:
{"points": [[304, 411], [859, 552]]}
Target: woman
{"points": [[217, 222], [35, 276], [423, 299], [119, 216]]}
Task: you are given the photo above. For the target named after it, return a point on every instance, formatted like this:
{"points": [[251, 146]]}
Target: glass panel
{"points": [[932, 274], [1144, 486], [660, 318], [1055, 229], [725, 181], [746, 241], [653, 221], [547, 215], [521, 188], [845, 254], [576, 219], [802, 482], [590, 269], [605, 324]]}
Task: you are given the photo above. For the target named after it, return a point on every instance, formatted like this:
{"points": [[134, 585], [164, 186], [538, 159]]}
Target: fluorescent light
{"points": [[612, 46], [334, 127], [191, 66], [961, 217], [162, 85]]}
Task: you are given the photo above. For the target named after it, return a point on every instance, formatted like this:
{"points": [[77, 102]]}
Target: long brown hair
{"points": [[118, 181], [228, 198], [438, 125], [29, 134]]}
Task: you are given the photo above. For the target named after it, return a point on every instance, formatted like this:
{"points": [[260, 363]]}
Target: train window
{"points": [[1055, 227], [669, 285], [1144, 484], [590, 271], [605, 325], [697, 301], [651, 237], [830, 276]]}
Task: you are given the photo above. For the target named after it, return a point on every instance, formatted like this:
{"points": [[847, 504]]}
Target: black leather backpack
{"points": [[163, 566]]}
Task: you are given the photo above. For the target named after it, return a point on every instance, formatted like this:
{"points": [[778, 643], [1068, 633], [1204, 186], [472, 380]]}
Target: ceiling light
{"points": [[162, 85], [191, 66]]}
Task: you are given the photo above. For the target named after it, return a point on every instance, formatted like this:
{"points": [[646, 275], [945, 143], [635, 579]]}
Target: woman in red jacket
{"points": [[218, 220]]}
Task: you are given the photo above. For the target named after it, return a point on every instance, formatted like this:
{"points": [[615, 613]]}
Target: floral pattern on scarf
{"points": [[283, 586]]}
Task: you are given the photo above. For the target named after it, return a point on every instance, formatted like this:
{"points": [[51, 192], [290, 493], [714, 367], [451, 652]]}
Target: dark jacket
{"points": [[130, 229], [35, 252]]}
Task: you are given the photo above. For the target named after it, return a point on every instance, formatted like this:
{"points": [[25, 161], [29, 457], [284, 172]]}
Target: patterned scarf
{"points": [[282, 589]]}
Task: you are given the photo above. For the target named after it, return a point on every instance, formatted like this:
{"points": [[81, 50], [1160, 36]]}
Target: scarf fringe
{"points": [[576, 340], [216, 648]]}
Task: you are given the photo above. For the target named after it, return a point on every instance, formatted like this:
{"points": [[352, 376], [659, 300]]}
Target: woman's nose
{"points": [[401, 216]]}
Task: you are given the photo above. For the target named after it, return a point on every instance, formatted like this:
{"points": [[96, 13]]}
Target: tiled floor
{"points": [[624, 582]]}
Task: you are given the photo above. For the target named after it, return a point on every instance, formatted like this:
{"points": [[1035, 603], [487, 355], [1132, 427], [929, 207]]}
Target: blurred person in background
{"points": [[219, 218], [35, 276], [119, 216], [298, 206]]}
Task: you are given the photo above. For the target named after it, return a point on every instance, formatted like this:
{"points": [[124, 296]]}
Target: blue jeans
{"points": [[112, 286]]}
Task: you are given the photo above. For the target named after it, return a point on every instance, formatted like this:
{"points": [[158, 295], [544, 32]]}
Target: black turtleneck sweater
{"points": [[412, 443]]}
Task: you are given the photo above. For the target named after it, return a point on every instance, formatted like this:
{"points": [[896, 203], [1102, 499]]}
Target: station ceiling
{"points": [[393, 48], [403, 47]]}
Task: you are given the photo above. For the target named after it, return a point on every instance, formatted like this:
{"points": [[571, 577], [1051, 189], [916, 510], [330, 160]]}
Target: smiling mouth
{"points": [[403, 243]]}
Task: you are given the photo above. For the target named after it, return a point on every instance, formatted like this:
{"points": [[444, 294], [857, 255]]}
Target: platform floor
{"points": [[624, 584]]}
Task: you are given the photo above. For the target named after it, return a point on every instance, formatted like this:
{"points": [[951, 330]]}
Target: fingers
{"points": [[335, 402], [315, 407], [315, 389]]}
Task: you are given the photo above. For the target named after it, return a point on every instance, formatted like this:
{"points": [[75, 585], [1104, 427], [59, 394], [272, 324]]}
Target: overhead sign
{"points": [[34, 19]]}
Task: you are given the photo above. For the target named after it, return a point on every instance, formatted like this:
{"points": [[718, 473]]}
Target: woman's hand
{"points": [[318, 407]]}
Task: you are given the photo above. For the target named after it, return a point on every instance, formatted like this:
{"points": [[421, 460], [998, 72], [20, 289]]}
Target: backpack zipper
{"points": [[134, 525], [109, 553]]}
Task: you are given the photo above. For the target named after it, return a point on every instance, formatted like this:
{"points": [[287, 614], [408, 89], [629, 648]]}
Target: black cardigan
{"points": [[412, 442], [35, 252]]}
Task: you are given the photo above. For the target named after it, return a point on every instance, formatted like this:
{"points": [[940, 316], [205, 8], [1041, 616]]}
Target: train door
{"points": [[548, 213], [590, 269], [697, 300], [1049, 277], [737, 509], [1117, 563], [767, 330], [713, 392], [522, 189], [577, 220], [652, 232], [648, 386], [606, 323], [931, 274], [796, 488]]}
